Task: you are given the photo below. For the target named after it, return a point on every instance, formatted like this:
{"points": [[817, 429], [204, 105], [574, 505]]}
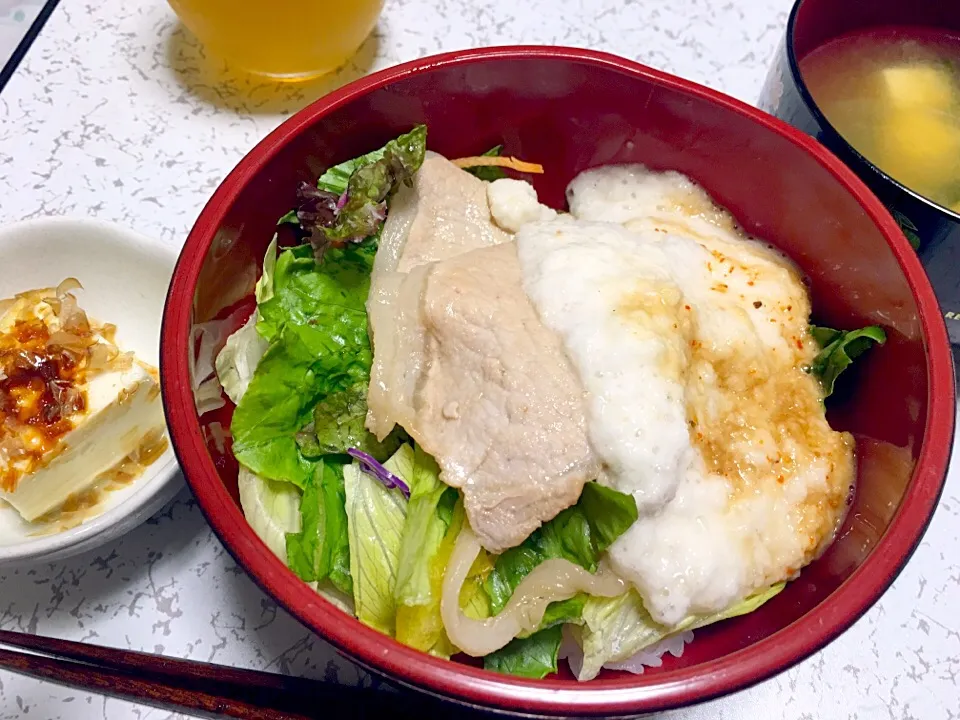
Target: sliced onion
{"points": [[212, 336], [552, 580], [209, 396], [218, 435]]}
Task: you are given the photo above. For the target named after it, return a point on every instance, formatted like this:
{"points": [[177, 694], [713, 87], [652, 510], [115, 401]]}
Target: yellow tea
{"points": [[283, 39]]}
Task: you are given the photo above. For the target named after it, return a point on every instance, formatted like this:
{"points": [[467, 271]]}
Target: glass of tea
{"points": [[288, 40], [879, 84]]}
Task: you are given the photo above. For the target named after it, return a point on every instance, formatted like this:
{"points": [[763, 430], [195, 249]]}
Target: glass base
{"points": [[296, 77]]}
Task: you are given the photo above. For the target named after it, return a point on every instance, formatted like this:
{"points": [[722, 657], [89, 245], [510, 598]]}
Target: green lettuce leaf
{"points": [[375, 520], [474, 600], [315, 320], [336, 179], [279, 401], [427, 541], [313, 377], [531, 657], [341, 600], [578, 534], [608, 514], [564, 611], [320, 549], [421, 625], [271, 508], [339, 423], [744, 607], [237, 361], [263, 290], [839, 349], [332, 295], [615, 629], [360, 212], [429, 512], [308, 445], [289, 218], [489, 173]]}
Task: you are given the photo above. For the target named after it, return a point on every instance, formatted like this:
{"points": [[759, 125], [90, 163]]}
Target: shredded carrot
{"points": [[497, 161]]}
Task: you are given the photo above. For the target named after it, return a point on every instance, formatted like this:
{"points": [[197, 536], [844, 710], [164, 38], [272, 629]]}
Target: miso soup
{"points": [[894, 95]]}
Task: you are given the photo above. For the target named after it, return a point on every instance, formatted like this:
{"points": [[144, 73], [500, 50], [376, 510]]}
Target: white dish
{"points": [[125, 277]]}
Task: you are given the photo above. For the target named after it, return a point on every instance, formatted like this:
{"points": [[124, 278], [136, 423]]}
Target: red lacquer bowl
{"points": [[571, 110]]}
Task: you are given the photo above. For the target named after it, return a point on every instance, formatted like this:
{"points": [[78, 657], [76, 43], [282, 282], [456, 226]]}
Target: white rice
{"points": [[650, 656]]}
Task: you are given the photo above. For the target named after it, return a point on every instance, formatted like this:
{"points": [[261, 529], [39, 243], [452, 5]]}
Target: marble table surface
{"points": [[117, 113], [15, 18]]}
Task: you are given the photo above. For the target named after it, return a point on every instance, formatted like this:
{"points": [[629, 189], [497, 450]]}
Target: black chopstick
{"points": [[183, 672], [144, 691], [204, 688]]}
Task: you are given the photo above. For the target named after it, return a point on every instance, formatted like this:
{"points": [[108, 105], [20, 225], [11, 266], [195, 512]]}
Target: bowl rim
{"points": [[475, 686], [157, 489], [835, 136]]}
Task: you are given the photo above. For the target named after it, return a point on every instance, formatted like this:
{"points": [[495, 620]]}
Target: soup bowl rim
{"points": [[836, 137]]}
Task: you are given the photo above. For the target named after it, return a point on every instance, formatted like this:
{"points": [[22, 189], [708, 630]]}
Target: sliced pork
{"points": [[444, 214], [499, 405]]}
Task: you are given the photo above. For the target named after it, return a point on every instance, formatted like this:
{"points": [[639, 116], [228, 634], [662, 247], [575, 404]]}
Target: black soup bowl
{"points": [[933, 230]]}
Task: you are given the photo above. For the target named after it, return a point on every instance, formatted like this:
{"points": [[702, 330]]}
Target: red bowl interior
{"points": [[570, 110]]}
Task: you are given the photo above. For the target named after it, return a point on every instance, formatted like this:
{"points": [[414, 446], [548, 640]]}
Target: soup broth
{"points": [[894, 95]]}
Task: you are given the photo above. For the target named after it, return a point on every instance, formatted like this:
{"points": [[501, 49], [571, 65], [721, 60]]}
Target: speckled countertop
{"points": [[117, 113], [15, 19]]}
